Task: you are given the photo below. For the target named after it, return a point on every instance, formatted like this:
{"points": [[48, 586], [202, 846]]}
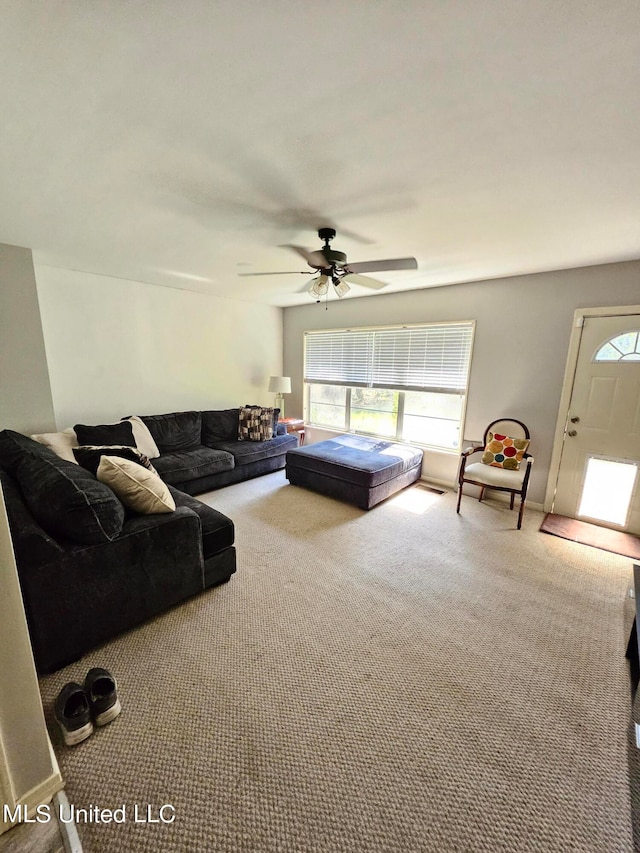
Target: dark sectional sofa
{"points": [[200, 451], [90, 569]]}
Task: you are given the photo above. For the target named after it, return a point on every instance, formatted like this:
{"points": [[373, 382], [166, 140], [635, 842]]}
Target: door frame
{"points": [[579, 316]]}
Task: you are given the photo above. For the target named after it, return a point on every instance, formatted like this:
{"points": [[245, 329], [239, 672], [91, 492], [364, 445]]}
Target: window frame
{"points": [[308, 383]]}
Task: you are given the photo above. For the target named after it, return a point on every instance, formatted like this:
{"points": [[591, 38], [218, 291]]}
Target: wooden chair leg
{"points": [[513, 494], [520, 514], [481, 493], [459, 497]]}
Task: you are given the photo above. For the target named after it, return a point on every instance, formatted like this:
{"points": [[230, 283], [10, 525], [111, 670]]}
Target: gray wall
{"points": [[523, 326], [25, 394]]}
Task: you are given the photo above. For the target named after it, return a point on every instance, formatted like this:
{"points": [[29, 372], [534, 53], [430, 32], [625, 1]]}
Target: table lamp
{"points": [[280, 385]]}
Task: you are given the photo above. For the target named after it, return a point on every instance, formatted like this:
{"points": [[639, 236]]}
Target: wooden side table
{"points": [[294, 425]]}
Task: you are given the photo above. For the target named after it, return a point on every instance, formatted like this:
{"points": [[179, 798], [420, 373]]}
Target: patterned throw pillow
{"points": [[502, 451], [255, 424]]}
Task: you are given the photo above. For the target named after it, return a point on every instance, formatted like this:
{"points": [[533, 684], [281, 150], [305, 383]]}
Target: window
{"points": [[406, 384], [625, 347]]}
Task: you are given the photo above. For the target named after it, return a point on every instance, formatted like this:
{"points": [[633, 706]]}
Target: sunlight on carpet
{"points": [[416, 499]]}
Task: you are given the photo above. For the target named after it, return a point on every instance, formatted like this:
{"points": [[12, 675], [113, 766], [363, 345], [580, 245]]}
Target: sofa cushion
{"points": [[174, 431], [14, 445], [120, 433], [64, 499], [217, 530], [245, 452], [139, 489], [219, 425], [181, 466]]}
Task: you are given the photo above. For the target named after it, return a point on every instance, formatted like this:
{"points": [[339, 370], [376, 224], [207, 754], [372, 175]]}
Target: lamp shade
{"points": [[280, 384]]}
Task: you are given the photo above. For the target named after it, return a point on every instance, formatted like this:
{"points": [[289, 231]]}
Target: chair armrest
{"points": [[471, 450]]}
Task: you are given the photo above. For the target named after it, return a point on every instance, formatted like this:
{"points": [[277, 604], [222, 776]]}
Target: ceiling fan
{"points": [[332, 267]]}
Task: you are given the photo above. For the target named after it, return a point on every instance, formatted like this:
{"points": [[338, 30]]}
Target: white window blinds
{"points": [[417, 358]]}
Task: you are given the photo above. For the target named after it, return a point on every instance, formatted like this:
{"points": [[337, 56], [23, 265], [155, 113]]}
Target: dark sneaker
{"points": [[100, 687], [73, 714]]}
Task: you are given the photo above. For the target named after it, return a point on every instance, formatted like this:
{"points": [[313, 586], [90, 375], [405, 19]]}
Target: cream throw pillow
{"points": [[62, 443], [139, 489], [143, 438]]}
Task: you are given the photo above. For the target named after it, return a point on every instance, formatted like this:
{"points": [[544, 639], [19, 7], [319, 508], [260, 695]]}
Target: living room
{"points": [[400, 679]]}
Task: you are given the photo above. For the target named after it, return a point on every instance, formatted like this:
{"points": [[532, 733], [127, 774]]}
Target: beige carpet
{"points": [[400, 680]]}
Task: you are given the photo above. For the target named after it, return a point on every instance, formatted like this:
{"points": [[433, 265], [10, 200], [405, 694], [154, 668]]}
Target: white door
{"points": [[599, 477]]}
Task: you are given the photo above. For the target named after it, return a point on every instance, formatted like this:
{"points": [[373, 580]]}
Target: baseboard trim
{"points": [[68, 830], [494, 495]]}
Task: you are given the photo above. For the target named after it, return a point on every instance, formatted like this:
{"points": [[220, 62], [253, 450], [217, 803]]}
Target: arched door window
{"points": [[624, 347]]}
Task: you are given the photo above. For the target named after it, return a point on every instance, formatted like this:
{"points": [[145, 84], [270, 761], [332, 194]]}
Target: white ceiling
{"points": [[179, 142]]}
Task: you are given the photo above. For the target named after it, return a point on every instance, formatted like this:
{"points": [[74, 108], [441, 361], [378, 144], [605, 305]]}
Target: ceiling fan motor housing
{"points": [[333, 257]]}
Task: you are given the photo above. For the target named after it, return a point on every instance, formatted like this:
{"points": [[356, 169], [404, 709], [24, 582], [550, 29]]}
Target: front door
{"points": [[599, 477]]}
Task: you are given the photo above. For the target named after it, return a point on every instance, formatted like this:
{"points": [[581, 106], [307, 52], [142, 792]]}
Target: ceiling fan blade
{"points": [[389, 264], [364, 281], [287, 272], [314, 259], [305, 287]]}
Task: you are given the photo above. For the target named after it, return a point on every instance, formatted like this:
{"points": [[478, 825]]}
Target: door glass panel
{"points": [[607, 490], [625, 347]]}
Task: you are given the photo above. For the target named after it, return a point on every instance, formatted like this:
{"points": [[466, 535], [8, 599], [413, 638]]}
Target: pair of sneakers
{"points": [[78, 707]]}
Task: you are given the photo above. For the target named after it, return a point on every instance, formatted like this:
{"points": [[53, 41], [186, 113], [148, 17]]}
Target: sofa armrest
{"points": [[97, 591], [32, 545]]}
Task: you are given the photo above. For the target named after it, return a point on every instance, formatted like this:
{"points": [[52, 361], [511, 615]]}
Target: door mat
{"points": [[625, 544]]}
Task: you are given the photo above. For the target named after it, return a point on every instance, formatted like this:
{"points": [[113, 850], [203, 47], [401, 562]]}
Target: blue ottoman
{"points": [[361, 470]]}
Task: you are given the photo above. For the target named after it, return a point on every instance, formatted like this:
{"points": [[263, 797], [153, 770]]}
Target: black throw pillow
{"points": [[89, 456], [120, 433]]}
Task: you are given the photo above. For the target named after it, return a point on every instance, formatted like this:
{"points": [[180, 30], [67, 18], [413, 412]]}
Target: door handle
{"points": [[575, 420], [572, 433]]}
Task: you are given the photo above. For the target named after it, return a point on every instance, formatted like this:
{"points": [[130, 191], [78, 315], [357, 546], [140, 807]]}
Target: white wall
{"points": [[523, 325], [28, 769], [117, 347], [25, 396]]}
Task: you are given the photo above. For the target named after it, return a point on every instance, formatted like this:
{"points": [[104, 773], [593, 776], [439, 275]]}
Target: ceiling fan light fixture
{"points": [[341, 287], [319, 287]]}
